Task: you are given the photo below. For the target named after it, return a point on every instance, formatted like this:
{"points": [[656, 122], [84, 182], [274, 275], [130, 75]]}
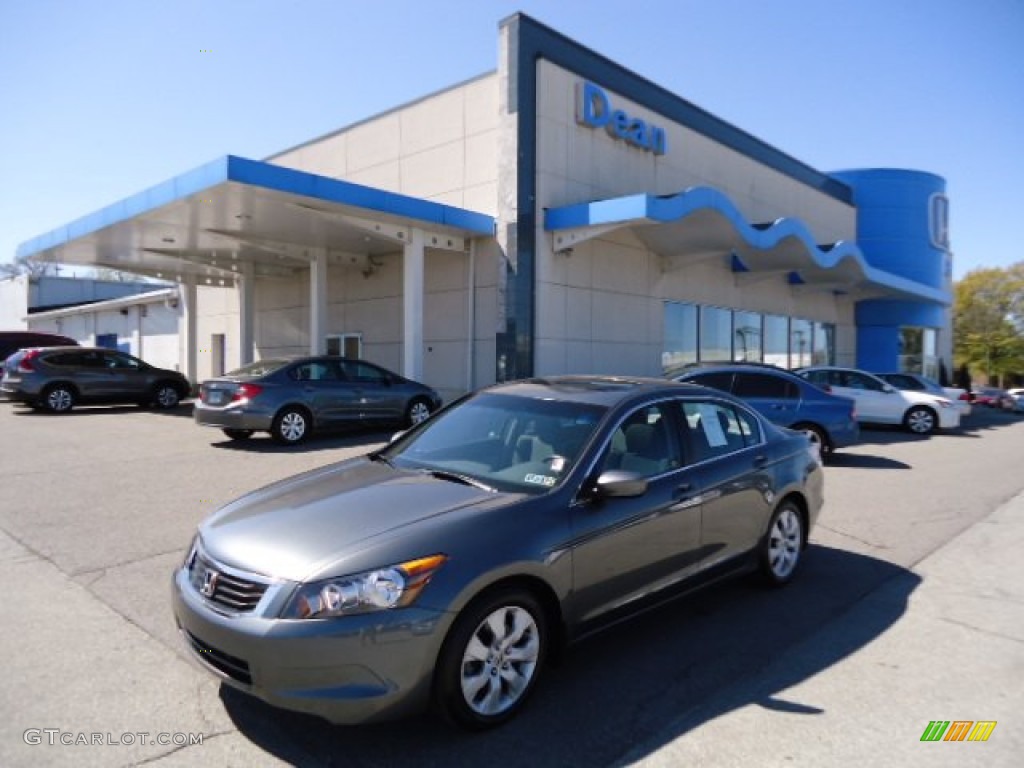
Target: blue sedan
{"points": [[787, 400]]}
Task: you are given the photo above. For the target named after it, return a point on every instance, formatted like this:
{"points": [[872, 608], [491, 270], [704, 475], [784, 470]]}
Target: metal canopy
{"points": [[212, 223], [702, 222]]}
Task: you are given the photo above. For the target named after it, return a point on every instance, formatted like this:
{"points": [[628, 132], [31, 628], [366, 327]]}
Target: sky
{"points": [[100, 100]]}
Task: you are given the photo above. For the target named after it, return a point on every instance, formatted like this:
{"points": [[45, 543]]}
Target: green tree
{"points": [[988, 321]]}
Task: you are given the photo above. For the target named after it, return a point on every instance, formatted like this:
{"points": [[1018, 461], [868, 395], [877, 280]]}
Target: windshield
{"points": [[506, 442]]}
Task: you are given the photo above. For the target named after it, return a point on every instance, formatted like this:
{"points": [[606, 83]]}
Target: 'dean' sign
{"points": [[594, 109]]}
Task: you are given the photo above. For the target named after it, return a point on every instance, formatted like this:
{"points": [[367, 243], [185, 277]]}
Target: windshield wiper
{"points": [[378, 456], [455, 477]]}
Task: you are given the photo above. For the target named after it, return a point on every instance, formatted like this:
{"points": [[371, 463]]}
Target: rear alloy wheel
{"points": [[238, 434], [492, 659], [920, 420], [290, 426], [418, 410], [166, 396], [780, 553], [58, 398]]}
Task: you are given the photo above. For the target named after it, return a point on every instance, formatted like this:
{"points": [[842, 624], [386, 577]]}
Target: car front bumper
{"points": [[349, 670]]}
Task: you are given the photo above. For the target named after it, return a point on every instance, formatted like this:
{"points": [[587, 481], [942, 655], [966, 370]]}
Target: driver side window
{"points": [[642, 443]]}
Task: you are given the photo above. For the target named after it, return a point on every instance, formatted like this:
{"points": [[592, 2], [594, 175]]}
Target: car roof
{"points": [[599, 390], [738, 367]]}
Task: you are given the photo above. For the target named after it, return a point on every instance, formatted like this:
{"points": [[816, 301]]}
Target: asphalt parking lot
{"points": [[910, 608]]}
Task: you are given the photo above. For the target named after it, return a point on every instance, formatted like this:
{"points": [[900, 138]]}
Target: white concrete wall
{"points": [[216, 312], [370, 305], [13, 303], [149, 331], [601, 309], [442, 148]]}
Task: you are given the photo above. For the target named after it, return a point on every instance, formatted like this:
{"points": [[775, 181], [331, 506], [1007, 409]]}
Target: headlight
{"points": [[395, 586], [190, 556]]}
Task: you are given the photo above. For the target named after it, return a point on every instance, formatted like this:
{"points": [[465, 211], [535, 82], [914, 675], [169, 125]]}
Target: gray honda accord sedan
{"points": [[447, 566]]}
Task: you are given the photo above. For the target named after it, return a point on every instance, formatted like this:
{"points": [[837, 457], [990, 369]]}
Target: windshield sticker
{"points": [[544, 480], [709, 423]]}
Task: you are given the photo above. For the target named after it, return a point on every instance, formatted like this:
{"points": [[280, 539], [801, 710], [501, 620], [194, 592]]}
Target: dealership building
{"points": [[561, 214]]}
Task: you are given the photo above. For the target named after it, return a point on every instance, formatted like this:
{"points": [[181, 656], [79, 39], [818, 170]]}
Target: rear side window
{"points": [[904, 382], [718, 380], [716, 429], [363, 373], [73, 359], [764, 385]]}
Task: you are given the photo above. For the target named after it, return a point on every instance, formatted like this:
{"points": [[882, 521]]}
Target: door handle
{"points": [[760, 461]]}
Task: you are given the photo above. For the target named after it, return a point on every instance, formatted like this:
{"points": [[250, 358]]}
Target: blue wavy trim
{"points": [[635, 209]]}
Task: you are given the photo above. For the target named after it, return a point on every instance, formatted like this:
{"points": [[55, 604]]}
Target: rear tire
{"points": [[418, 410], [58, 398], [238, 434], [782, 545], [291, 426], [166, 396]]}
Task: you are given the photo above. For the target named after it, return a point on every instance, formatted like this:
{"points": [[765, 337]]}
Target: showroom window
{"points": [[824, 344], [747, 337], [776, 340], [800, 343], [696, 333], [680, 336], [919, 351], [715, 334]]}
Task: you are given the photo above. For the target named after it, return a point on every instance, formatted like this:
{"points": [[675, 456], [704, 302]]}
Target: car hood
{"points": [[303, 525]]}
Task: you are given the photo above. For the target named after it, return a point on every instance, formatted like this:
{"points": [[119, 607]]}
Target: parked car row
{"points": [[287, 397]]}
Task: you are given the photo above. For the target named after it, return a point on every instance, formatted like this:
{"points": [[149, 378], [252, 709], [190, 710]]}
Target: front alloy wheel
{"points": [[920, 420], [290, 426], [492, 660], [780, 553]]}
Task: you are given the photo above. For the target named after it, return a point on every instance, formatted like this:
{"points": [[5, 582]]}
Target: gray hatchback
{"points": [[289, 397], [58, 378]]}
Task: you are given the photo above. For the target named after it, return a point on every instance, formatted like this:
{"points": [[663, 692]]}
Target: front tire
{"points": [[492, 659], [58, 398], [783, 544], [920, 420], [291, 426]]}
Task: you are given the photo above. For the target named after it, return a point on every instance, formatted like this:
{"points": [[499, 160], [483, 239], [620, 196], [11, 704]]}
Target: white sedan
{"points": [[881, 403], [915, 382], [1018, 398]]}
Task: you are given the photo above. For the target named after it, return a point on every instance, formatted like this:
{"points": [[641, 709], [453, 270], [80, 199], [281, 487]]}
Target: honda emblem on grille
{"points": [[210, 578]]}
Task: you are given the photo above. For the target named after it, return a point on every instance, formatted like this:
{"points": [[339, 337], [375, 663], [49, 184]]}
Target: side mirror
{"points": [[888, 389], [618, 483]]}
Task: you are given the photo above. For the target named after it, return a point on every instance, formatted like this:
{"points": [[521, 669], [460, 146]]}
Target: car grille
{"points": [[233, 592], [232, 666]]}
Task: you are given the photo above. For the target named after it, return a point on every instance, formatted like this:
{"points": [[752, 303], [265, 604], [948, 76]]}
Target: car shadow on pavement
{"points": [[861, 461], [182, 410], [352, 437], [643, 682]]}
